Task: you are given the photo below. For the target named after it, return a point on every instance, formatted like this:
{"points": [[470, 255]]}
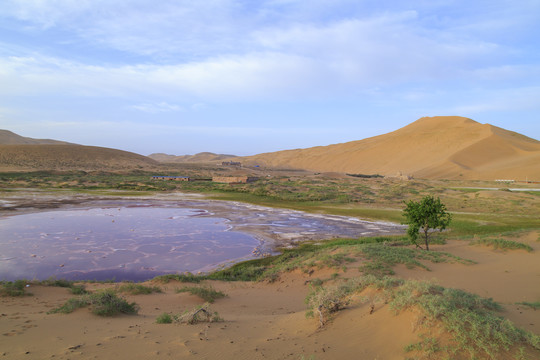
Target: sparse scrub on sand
{"points": [[138, 289], [383, 258], [207, 293], [476, 329], [103, 303], [194, 316], [75, 289], [502, 244], [13, 288], [382, 254], [327, 300]]}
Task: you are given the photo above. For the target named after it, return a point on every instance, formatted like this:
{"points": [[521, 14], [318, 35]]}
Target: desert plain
{"points": [[474, 295]]}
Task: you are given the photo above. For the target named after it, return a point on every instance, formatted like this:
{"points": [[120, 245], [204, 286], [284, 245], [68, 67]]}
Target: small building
{"points": [[231, 163], [171, 178], [234, 179]]}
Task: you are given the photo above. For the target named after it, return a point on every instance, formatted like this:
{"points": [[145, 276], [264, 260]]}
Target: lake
{"points": [[138, 240]]}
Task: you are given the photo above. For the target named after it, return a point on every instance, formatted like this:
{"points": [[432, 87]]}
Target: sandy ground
{"points": [[262, 320]]}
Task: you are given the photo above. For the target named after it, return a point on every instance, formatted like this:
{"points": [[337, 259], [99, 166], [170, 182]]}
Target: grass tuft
{"points": [[102, 303], [207, 293], [164, 318], [138, 289]]}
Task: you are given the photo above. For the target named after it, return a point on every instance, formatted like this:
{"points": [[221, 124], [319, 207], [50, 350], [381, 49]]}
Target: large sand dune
{"points": [[439, 147]]}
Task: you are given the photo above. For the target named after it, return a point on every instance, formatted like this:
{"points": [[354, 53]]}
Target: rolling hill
{"points": [[441, 147], [19, 153], [10, 138], [197, 158]]}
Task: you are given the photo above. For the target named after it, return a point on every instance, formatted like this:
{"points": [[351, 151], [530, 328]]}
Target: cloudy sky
{"points": [[250, 76]]}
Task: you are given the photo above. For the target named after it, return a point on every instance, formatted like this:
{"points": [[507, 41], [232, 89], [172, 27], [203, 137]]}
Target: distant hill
{"points": [[197, 158], [441, 147], [10, 138], [19, 153]]}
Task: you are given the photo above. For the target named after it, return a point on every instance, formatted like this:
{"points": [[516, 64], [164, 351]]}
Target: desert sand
{"points": [[440, 147], [264, 320]]}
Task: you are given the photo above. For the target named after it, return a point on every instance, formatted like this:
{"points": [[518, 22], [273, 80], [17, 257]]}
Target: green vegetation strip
{"points": [[138, 289], [533, 305], [502, 244], [381, 253]]}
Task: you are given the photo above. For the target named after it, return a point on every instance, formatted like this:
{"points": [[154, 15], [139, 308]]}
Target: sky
{"points": [[245, 77]]}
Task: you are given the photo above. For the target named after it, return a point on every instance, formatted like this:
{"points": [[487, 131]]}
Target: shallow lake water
{"points": [[124, 243], [138, 240]]}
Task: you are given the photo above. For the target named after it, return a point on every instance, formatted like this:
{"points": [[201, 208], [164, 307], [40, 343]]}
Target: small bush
{"points": [[164, 318], [207, 293], [107, 303], [70, 306], [138, 289], [78, 290], [102, 303], [328, 300], [13, 288]]}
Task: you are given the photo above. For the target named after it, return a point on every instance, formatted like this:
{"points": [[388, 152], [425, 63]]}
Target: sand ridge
{"points": [[438, 147]]}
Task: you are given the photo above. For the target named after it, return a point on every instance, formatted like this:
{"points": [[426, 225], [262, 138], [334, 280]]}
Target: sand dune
{"points": [[432, 147], [265, 320]]}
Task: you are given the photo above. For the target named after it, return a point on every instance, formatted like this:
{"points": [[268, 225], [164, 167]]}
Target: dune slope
{"points": [[431, 147]]}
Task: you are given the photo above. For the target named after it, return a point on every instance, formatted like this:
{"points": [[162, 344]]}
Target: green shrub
{"points": [[70, 305], [13, 288], [138, 289], [102, 303], [107, 303], [164, 318], [78, 290], [207, 293]]}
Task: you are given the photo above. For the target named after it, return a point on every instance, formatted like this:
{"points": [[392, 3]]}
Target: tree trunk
{"points": [[426, 238]]}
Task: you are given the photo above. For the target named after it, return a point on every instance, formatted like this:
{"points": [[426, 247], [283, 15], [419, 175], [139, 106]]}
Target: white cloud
{"points": [[508, 99], [153, 108]]}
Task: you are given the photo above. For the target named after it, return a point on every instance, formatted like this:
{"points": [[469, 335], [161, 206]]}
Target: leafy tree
{"points": [[423, 216]]}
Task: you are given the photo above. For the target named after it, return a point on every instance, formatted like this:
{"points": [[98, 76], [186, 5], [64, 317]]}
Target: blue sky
{"points": [[245, 77]]}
